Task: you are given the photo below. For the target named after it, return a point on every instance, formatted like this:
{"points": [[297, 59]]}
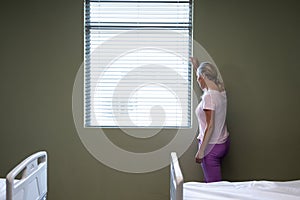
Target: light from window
{"points": [[137, 70]]}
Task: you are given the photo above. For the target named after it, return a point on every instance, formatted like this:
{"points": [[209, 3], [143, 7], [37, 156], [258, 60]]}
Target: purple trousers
{"points": [[211, 163]]}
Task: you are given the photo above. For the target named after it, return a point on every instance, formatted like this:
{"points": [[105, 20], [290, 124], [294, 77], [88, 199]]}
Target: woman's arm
{"points": [[209, 114], [195, 63]]}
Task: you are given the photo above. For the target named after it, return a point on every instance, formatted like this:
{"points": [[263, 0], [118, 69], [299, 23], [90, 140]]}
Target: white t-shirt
{"points": [[216, 101]]}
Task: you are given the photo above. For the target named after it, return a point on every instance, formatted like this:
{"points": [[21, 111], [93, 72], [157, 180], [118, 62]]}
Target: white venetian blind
{"points": [[137, 70]]}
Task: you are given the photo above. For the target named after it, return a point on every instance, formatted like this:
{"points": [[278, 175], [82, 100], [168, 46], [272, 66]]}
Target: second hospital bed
{"points": [[225, 190], [27, 181]]}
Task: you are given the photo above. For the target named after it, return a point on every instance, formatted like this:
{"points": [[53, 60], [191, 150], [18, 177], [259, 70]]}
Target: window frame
{"points": [[86, 85]]}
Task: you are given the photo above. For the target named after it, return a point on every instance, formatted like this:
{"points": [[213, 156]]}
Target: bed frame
{"points": [[176, 179], [32, 184]]}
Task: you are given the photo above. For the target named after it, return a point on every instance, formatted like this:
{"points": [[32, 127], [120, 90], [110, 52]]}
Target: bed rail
{"points": [[176, 179], [32, 184]]}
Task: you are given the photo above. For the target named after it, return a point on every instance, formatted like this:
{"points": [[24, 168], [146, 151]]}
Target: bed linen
{"points": [[2, 188], [248, 190]]}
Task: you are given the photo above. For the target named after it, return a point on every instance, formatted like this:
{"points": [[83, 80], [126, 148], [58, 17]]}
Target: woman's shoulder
{"points": [[214, 94]]}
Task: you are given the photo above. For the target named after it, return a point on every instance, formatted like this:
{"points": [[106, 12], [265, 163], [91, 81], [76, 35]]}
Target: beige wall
{"points": [[254, 43]]}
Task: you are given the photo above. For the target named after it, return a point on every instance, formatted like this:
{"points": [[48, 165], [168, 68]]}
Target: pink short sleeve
{"points": [[208, 102]]}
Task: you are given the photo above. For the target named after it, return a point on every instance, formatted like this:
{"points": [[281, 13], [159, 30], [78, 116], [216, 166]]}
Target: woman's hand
{"points": [[199, 156], [195, 63]]}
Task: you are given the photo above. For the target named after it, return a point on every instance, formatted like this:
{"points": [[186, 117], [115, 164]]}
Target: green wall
{"points": [[254, 43]]}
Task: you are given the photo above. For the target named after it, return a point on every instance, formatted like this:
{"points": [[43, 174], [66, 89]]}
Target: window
{"points": [[136, 57]]}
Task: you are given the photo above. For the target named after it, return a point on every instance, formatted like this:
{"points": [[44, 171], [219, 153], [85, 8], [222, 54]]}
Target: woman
{"points": [[211, 113]]}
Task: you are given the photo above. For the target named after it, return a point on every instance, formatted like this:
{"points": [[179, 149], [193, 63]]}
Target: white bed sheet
{"points": [[2, 188], [248, 190]]}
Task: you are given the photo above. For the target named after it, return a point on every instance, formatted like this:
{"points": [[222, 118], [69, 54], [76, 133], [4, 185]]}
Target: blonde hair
{"points": [[211, 72]]}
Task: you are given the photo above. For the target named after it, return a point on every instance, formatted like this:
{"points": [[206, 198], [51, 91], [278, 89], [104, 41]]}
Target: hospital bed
{"points": [[225, 190], [27, 181]]}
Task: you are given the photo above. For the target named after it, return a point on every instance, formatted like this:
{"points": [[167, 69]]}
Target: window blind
{"points": [[136, 63]]}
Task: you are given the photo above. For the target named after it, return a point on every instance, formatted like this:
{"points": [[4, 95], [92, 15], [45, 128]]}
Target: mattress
{"points": [[254, 190], [2, 188]]}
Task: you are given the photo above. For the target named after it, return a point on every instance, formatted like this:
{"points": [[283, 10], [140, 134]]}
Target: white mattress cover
{"points": [[2, 188], [254, 190]]}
